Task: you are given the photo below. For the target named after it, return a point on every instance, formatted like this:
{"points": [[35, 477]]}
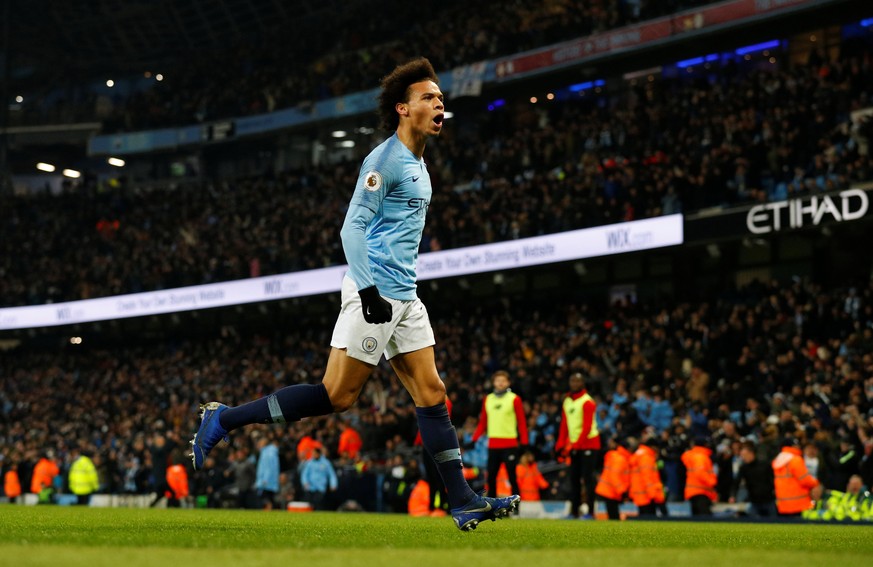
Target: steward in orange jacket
{"points": [[177, 480], [419, 499], [615, 478], [350, 443], [646, 489], [700, 480], [11, 483], [530, 479], [44, 474], [792, 481]]}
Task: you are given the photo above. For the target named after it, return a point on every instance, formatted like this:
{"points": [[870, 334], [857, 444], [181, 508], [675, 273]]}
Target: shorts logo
{"points": [[373, 181], [369, 344]]}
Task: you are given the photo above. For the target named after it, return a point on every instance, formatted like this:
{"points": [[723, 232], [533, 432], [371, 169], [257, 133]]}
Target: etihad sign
{"points": [[847, 205]]}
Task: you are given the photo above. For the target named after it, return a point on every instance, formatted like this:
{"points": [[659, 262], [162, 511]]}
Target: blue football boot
{"points": [[209, 433], [482, 508]]}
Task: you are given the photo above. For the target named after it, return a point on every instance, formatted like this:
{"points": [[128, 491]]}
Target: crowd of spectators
{"points": [[285, 68], [731, 135], [755, 364]]}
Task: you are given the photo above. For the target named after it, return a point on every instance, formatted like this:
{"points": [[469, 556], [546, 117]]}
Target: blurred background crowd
{"points": [[769, 359]]}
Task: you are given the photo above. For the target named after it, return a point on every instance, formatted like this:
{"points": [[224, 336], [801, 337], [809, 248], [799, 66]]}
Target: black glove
{"points": [[376, 309]]}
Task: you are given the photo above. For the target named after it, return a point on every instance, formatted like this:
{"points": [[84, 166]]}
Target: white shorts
{"points": [[409, 329]]}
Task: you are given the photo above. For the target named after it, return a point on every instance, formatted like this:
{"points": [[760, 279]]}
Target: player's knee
{"points": [[434, 394], [342, 401]]}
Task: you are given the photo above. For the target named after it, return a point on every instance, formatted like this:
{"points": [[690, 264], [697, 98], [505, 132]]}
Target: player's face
{"points": [[501, 382], [425, 108]]}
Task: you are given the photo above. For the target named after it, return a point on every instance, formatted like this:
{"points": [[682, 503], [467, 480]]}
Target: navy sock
{"points": [[441, 441], [291, 403]]}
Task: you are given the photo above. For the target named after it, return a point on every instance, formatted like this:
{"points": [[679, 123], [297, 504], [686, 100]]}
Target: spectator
{"points": [[267, 473], [318, 478], [756, 476]]}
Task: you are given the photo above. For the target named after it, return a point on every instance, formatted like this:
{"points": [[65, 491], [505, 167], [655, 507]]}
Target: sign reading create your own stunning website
{"points": [[574, 245]]}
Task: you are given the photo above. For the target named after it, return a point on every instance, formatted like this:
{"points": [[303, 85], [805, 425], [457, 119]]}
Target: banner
{"points": [[805, 212], [468, 79], [585, 243], [628, 37]]}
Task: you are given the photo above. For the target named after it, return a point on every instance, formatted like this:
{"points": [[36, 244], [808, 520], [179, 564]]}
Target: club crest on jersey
{"points": [[373, 181], [369, 344]]}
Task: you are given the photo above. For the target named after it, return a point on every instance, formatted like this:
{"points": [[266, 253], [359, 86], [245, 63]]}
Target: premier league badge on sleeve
{"points": [[373, 181]]}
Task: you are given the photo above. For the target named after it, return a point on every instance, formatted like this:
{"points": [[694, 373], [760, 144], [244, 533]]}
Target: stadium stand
{"points": [[246, 76], [733, 135]]}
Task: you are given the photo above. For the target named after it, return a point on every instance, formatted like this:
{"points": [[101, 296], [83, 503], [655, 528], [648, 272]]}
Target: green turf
{"points": [[54, 536]]}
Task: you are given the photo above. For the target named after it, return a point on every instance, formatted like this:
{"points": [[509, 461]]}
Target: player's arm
{"points": [[523, 436], [483, 423], [369, 193], [563, 433], [588, 410]]}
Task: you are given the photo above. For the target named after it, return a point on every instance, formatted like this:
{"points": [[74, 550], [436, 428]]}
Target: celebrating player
{"points": [[381, 312]]}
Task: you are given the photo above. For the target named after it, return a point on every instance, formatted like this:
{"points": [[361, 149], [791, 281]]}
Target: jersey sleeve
{"points": [[354, 239], [370, 190]]}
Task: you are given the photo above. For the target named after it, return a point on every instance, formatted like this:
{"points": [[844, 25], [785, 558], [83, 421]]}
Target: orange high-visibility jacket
{"points": [[700, 478], [177, 479], [306, 447], [792, 481], [44, 473], [530, 481], [11, 484], [645, 480], [419, 499], [615, 478], [350, 444]]}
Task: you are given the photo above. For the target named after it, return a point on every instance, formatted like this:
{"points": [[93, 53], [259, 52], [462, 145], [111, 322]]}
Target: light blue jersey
{"points": [[383, 225]]}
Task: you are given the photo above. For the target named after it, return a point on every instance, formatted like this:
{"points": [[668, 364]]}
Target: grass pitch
{"points": [[94, 537]]}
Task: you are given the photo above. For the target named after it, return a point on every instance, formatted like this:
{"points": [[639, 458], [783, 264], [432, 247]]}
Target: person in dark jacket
{"points": [[757, 476]]}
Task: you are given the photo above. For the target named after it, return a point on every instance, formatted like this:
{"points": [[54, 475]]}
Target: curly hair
{"points": [[395, 88]]}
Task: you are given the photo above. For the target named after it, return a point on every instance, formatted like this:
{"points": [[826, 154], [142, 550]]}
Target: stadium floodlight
{"points": [[757, 47], [338, 133], [447, 115], [72, 173], [110, 83], [159, 77], [45, 167], [19, 99], [346, 144], [117, 162]]}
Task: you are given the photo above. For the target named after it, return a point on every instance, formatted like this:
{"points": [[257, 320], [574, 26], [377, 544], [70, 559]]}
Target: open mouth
{"points": [[438, 119]]}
